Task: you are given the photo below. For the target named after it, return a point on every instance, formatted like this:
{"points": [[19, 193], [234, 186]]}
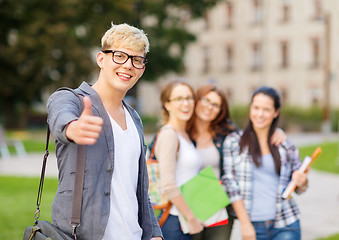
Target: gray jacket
{"points": [[64, 107]]}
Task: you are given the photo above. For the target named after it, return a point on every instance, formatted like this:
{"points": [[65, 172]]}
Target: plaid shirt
{"points": [[238, 177]]}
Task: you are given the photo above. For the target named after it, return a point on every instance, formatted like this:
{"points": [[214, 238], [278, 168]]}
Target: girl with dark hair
{"points": [[256, 172], [208, 127]]}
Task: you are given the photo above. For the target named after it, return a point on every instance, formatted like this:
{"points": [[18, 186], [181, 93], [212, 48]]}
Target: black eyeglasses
{"points": [[120, 57]]}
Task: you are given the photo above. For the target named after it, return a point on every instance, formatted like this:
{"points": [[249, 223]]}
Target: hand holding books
{"points": [[206, 198], [308, 161]]}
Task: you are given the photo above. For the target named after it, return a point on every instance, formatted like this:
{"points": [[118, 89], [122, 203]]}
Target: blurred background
{"points": [[239, 45]]}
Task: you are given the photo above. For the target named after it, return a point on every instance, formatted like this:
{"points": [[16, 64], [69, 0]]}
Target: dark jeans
{"points": [[216, 233], [265, 231], [172, 230]]}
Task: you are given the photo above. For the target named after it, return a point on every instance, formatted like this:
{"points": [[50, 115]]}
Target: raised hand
{"points": [[86, 129], [278, 137]]}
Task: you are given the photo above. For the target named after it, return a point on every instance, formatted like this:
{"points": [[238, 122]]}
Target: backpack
{"points": [[159, 201]]}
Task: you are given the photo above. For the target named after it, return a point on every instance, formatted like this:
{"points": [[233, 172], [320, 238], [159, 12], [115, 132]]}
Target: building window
{"points": [[284, 54], [252, 89], [229, 58], [206, 59], [318, 10], [229, 14], [256, 63], [285, 13], [207, 20], [315, 94], [283, 94], [257, 12], [229, 94], [315, 50]]}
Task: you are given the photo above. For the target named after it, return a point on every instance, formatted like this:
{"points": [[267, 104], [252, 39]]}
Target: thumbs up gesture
{"points": [[86, 129]]}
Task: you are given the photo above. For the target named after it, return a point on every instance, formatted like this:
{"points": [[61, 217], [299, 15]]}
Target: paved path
{"points": [[319, 206], [29, 165]]}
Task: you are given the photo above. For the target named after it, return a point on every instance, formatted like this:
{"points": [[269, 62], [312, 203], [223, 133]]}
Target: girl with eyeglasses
{"points": [[178, 159]]}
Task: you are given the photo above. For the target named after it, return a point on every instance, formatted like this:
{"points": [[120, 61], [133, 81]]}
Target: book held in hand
{"points": [[303, 167], [206, 198], [218, 219]]}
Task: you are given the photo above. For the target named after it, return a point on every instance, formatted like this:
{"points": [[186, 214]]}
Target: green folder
{"points": [[204, 194]]}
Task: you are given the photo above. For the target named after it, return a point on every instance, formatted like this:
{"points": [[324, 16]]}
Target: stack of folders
{"points": [[206, 198], [303, 167]]}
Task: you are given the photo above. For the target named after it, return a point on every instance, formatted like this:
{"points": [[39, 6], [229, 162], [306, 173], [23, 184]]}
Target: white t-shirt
{"points": [[123, 218], [188, 165]]}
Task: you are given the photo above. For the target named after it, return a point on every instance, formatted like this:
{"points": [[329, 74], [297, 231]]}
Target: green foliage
{"points": [[18, 204], [239, 115], [151, 124], [335, 120], [48, 44], [168, 32], [305, 119]]}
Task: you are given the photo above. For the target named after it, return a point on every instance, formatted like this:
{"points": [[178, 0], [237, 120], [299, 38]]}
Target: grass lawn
{"points": [[328, 159], [18, 204], [334, 237]]}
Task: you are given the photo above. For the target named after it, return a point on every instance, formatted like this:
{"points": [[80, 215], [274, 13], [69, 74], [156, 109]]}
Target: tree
{"points": [[47, 44]]}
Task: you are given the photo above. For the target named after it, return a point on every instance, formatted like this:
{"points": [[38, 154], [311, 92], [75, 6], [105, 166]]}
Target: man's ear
{"points": [[100, 59]]}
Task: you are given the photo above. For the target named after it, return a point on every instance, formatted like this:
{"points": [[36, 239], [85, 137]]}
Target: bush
{"points": [[151, 123], [301, 119], [239, 115], [335, 120]]}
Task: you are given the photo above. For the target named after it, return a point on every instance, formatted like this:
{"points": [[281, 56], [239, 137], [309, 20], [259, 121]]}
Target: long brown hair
{"points": [[222, 124], [166, 94], [249, 138]]}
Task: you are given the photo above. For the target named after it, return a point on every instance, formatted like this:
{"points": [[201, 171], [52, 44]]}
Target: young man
{"points": [[115, 202]]}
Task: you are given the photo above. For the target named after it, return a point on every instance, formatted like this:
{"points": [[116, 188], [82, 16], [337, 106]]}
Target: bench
{"points": [[6, 143]]}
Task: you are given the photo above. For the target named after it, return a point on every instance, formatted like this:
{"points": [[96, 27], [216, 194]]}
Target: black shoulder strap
{"points": [[79, 176]]}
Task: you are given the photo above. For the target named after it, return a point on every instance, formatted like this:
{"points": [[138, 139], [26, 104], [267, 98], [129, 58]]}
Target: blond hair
{"points": [[124, 35]]}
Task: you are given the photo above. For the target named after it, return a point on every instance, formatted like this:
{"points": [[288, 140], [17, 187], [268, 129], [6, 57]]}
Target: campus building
{"points": [[242, 44]]}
